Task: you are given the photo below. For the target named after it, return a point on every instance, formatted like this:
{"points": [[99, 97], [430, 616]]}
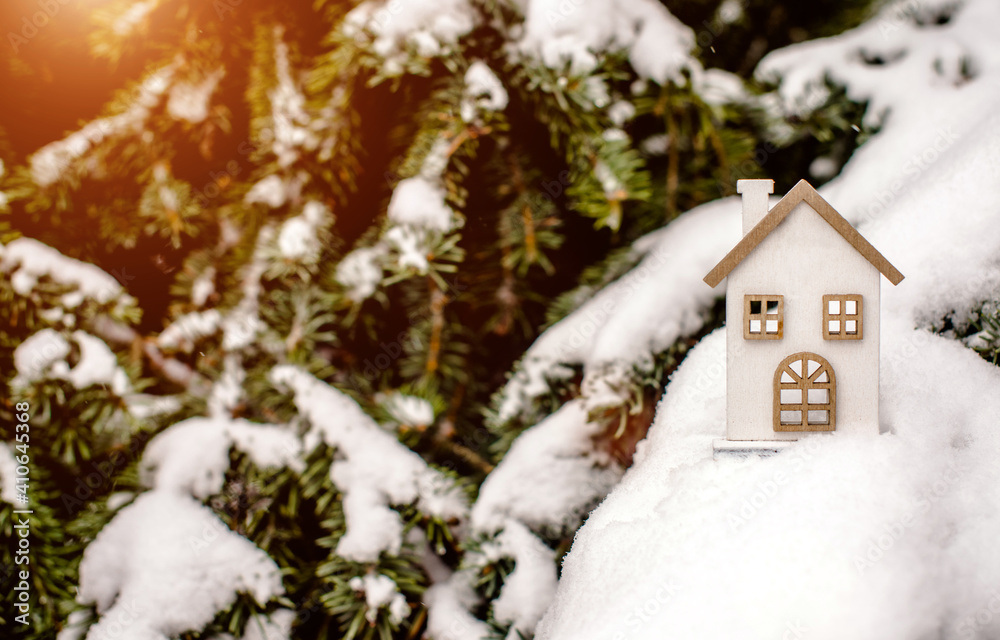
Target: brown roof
{"points": [[803, 191]]}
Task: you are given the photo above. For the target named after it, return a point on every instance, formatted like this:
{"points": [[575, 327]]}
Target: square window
{"points": [[763, 315], [791, 417], [818, 396], [791, 396], [818, 417], [843, 316]]}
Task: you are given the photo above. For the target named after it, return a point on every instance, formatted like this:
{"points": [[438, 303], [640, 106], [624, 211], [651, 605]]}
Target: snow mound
{"points": [[192, 456], [43, 356], [167, 565], [372, 468]]}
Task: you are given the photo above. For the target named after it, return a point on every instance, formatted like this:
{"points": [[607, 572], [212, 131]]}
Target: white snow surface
{"points": [[26, 260], [380, 591], [550, 477], [190, 101], [528, 590], [448, 604], [192, 456], [887, 536], [408, 410], [419, 202], [166, 565], [430, 27], [277, 626], [298, 238], [43, 355], [372, 469], [186, 330], [576, 31], [483, 90]]}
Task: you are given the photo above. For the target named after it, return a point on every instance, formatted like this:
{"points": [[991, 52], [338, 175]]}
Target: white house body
{"points": [[802, 309]]}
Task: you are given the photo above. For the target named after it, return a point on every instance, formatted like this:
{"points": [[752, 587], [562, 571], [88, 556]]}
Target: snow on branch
{"points": [[372, 469]]}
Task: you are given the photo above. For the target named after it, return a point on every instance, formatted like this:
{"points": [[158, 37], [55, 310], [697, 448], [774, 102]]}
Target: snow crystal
{"points": [[166, 565], [127, 21], [290, 122], [8, 474], [188, 329], [203, 287], [557, 31], [418, 202], [188, 101], [360, 272], [375, 470], [483, 90], [549, 478], [621, 112], [298, 238], [408, 410], [98, 366], [528, 590], [31, 260], [35, 356], [270, 191], [380, 591], [448, 605], [410, 245], [277, 626]]}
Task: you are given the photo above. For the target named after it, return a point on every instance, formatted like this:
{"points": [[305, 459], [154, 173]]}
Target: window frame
{"points": [[763, 299], [843, 317], [805, 383]]}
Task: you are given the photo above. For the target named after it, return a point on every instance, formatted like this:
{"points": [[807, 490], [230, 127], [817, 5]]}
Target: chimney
{"points": [[755, 194]]}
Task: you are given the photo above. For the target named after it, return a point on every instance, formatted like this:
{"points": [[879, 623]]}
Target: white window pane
{"points": [[791, 417], [755, 326], [771, 326], [835, 326], [834, 307], [813, 365], [851, 326], [822, 377], [850, 307], [791, 396], [786, 378], [819, 417], [818, 396], [796, 366]]}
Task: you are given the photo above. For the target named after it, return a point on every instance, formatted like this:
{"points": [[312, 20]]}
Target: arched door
{"points": [[805, 394]]}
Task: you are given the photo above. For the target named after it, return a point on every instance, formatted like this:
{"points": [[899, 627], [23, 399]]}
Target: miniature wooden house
{"points": [[802, 309]]}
